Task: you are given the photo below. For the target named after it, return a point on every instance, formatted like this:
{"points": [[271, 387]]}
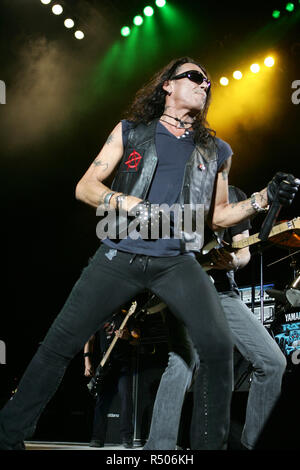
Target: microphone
{"points": [[269, 220], [273, 213]]}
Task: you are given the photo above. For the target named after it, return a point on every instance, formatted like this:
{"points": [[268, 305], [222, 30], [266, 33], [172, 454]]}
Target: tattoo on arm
{"points": [[224, 175], [99, 163], [244, 207], [109, 139]]}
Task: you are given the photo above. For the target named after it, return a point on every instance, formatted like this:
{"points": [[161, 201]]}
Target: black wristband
{"points": [[87, 354]]}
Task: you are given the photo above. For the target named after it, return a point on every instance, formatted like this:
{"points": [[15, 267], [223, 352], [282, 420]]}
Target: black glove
{"points": [[282, 188]]}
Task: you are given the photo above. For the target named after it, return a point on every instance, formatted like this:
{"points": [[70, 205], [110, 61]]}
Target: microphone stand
{"points": [[262, 313], [258, 251]]}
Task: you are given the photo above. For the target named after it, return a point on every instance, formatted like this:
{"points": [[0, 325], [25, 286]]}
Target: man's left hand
{"points": [[223, 259]]}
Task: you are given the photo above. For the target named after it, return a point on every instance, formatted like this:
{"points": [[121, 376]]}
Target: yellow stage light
{"points": [[255, 68], [269, 61], [224, 81], [237, 75]]}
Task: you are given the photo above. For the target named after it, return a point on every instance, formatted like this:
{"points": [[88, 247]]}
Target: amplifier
{"points": [[268, 313], [246, 294]]}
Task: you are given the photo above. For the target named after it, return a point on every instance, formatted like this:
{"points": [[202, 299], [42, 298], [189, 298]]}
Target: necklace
{"points": [[181, 123], [185, 134]]}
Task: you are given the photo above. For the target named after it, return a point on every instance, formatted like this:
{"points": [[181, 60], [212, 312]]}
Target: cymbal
{"points": [[290, 239]]}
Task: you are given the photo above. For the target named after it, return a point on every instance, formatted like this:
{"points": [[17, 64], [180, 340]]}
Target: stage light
{"points": [[269, 61], [276, 14], [237, 75], [160, 3], [79, 35], [290, 7], [138, 20], [69, 23], [57, 9], [224, 81], [148, 11], [45, 2], [255, 68], [125, 31]]}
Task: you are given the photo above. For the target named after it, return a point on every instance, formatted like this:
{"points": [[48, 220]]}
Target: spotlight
{"points": [[160, 3], [69, 23], [255, 68], [269, 62], [125, 31], [224, 81], [57, 9], [148, 11], [276, 14], [79, 35], [138, 20], [237, 75], [290, 7], [45, 2]]}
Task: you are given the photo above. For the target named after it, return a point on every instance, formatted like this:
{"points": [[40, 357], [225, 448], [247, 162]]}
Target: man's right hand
{"points": [[88, 371]]}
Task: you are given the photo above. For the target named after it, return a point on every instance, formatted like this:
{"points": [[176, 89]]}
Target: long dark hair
{"points": [[149, 101]]}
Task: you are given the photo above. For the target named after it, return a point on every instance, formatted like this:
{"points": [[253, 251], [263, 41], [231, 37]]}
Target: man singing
{"points": [[163, 154]]}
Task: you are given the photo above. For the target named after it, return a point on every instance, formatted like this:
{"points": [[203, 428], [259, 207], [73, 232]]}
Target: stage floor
{"points": [[41, 445]]}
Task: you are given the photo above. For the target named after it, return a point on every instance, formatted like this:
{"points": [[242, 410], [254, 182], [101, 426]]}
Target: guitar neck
{"points": [[115, 339], [280, 228]]}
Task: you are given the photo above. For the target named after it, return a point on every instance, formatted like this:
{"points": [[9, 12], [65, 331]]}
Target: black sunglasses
{"points": [[194, 76]]}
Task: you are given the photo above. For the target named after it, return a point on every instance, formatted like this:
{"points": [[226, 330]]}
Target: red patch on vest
{"points": [[133, 160]]}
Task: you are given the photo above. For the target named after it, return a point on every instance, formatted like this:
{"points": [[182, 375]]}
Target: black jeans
{"points": [[110, 280], [118, 377]]}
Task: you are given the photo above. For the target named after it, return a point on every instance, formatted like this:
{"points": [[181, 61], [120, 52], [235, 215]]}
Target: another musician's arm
{"points": [[223, 259], [242, 255], [88, 351]]}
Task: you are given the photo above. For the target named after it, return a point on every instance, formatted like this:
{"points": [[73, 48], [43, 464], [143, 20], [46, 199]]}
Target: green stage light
{"points": [[161, 3], [276, 14], [125, 31], [290, 6], [138, 20], [148, 11]]}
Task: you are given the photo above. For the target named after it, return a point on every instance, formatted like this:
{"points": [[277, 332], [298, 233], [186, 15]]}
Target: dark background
{"points": [[56, 121]]}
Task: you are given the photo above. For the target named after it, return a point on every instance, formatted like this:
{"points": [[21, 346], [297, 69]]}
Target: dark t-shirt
{"points": [[173, 154], [224, 280]]}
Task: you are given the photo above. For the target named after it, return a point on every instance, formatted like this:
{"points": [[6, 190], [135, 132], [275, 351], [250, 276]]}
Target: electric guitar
{"points": [[204, 259], [95, 383]]}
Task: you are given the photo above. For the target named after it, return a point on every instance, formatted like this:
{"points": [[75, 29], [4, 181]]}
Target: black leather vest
{"points": [[138, 164]]}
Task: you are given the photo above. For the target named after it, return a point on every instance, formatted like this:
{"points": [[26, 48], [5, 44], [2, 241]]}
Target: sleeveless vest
{"points": [[138, 164]]}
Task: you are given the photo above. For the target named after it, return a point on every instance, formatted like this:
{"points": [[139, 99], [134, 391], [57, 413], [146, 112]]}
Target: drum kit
{"points": [[285, 328], [291, 294]]}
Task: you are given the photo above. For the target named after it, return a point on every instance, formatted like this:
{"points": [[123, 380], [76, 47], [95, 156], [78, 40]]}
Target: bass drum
{"points": [[285, 329]]}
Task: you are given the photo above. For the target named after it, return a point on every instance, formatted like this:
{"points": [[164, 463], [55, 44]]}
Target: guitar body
{"points": [[95, 385], [204, 257]]}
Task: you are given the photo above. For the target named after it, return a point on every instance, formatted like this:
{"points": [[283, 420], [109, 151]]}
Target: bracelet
{"points": [[87, 354], [255, 205], [107, 198], [119, 200]]}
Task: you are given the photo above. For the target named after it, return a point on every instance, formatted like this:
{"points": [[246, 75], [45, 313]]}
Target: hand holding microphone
{"points": [[281, 192]]}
